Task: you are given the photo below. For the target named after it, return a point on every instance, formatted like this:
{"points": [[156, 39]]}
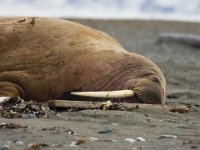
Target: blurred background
{"points": [[104, 9]]}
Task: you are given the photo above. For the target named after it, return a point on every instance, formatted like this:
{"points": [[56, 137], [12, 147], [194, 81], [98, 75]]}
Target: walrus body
{"points": [[43, 59]]}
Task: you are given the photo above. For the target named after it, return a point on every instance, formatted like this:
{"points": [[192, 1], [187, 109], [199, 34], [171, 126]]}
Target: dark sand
{"points": [[181, 66]]}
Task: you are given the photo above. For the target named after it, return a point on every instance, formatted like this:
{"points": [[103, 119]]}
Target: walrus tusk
{"points": [[106, 94]]}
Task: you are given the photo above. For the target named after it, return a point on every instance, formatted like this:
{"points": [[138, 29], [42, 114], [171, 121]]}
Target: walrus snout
{"points": [[150, 90]]}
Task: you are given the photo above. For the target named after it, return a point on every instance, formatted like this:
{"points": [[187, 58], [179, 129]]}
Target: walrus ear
{"points": [[106, 94]]}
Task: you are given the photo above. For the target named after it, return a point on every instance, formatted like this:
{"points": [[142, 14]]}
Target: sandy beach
{"points": [[156, 129]]}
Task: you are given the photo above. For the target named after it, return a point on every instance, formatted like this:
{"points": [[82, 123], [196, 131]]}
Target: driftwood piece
{"points": [[54, 104], [187, 39]]}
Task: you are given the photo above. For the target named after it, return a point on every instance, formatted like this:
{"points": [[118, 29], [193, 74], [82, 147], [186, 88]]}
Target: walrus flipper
{"points": [[10, 89]]}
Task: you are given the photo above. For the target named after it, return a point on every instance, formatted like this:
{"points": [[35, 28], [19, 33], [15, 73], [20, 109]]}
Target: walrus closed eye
{"points": [[52, 57]]}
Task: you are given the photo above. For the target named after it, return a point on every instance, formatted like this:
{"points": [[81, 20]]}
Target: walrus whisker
{"points": [[106, 94]]}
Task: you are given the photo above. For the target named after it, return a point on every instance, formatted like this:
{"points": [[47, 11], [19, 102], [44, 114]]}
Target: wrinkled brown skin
{"points": [[44, 59]]}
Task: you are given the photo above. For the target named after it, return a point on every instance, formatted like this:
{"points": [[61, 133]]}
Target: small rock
{"points": [[33, 146], [28, 116], [81, 141], [105, 130], [130, 140], [113, 141], [44, 145], [58, 115], [108, 140], [22, 20], [167, 136], [57, 145], [78, 142], [4, 147], [19, 142], [141, 139], [69, 131], [93, 139], [194, 147], [73, 144], [180, 109], [114, 124]]}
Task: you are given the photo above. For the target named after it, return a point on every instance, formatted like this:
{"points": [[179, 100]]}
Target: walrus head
{"points": [[138, 80], [150, 89]]}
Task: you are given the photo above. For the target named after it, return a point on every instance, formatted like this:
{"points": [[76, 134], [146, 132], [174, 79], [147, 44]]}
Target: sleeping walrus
{"points": [[42, 59]]}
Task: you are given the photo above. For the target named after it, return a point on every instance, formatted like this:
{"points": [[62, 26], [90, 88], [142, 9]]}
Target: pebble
{"points": [[141, 139], [167, 136], [193, 147], [113, 141], [27, 116], [180, 109], [93, 139], [19, 142], [114, 124], [69, 131], [78, 142], [105, 130], [73, 144], [130, 140], [4, 147], [33, 146]]}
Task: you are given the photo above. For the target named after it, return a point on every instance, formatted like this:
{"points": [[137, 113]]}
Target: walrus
{"points": [[45, 58]]}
